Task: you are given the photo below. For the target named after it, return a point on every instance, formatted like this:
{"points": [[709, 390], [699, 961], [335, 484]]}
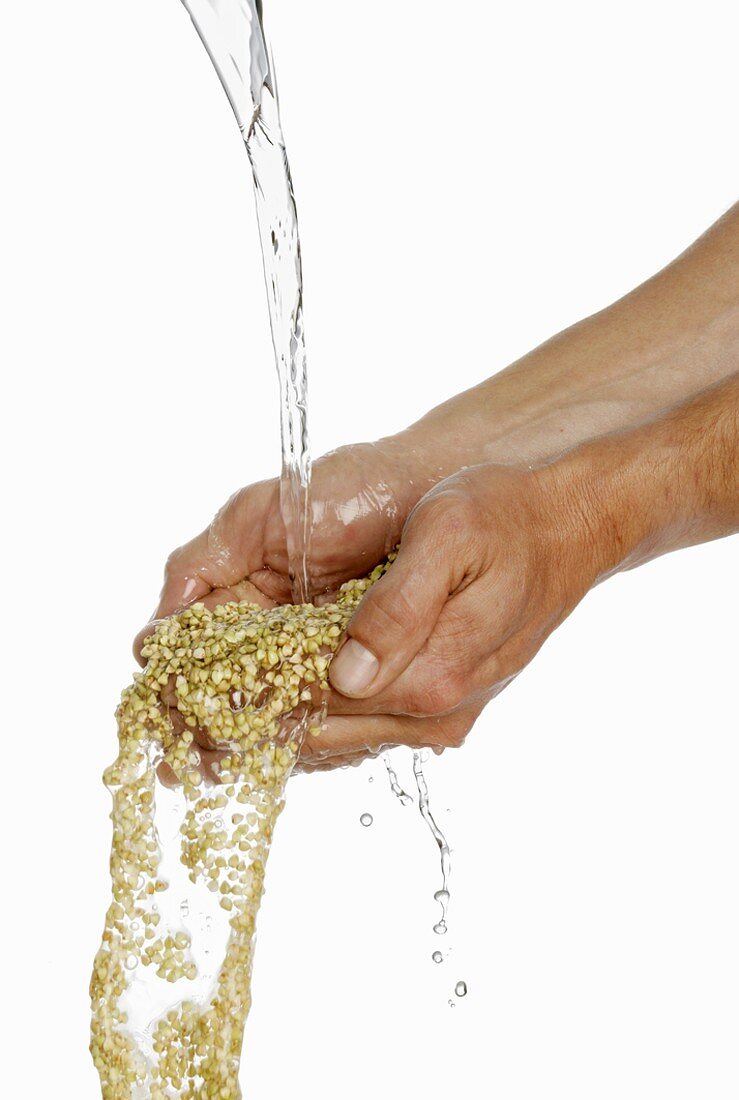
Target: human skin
{"points": [[621, 369], [495, 558]]}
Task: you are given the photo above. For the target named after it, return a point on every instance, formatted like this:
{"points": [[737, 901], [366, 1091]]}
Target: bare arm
{"points": [[670, 483], [668, 339], [495, 558]]}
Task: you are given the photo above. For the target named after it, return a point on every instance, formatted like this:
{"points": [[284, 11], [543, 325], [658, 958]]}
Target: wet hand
{"points": [[360, 496], [491, 561], [494, 558]]}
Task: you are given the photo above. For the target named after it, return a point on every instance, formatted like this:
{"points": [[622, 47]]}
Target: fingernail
{"points": [[354, 668]]}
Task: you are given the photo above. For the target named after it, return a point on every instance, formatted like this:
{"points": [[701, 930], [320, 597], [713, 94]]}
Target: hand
{"points": [[361, 496], [658, 346], [491, 561], [494, 558]]}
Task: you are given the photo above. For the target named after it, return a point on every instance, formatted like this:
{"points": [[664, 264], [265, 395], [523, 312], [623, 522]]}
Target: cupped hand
{"points": [[491, 561], [360, 498]]}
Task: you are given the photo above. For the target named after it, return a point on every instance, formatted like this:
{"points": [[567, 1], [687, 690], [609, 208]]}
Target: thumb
{"points": [[395, 618]]}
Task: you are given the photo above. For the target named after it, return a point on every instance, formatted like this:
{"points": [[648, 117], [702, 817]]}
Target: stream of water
{"points": [[232, 32], [171, 984]]}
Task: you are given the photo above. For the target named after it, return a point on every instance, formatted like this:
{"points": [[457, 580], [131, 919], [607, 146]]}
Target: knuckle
{"points": [[391, 613], [452, 516], [447, 508], [440, 695], [172, 563], [456, 733]]}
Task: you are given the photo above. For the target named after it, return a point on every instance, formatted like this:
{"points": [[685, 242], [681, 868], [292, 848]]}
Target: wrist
{"points": [[667, 484], [423, 455], [594, 488], [661, 345]]}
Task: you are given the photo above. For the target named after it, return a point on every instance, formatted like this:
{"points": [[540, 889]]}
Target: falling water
{"points": [[233, 34], [442, 896], [402, 796]]}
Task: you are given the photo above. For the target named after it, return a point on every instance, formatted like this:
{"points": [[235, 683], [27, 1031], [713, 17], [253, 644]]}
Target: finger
{"points": [[207, 768], [333, 761], [308, 765], [244, 592], [225, 553], [349, 735], [398, 614], [455, 665]]}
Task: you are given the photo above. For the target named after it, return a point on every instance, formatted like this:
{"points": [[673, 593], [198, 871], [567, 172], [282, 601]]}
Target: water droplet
{"points": [[451, 1004], [442, 896], [366, 820], [131, 962], [135, 926], [371, 779], [185, 908], [219, 823], [460, 989], [440, 928], [437, 957]]}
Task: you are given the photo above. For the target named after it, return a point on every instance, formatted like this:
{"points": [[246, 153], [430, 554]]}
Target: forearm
{"points": [[674, 482], [665, 341]]}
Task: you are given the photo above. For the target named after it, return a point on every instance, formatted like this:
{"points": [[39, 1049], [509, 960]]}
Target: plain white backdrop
{"points": [[470, 179]]}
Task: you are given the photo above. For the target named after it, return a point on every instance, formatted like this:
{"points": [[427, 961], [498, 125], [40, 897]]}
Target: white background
{"points": [[470, 179]]}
